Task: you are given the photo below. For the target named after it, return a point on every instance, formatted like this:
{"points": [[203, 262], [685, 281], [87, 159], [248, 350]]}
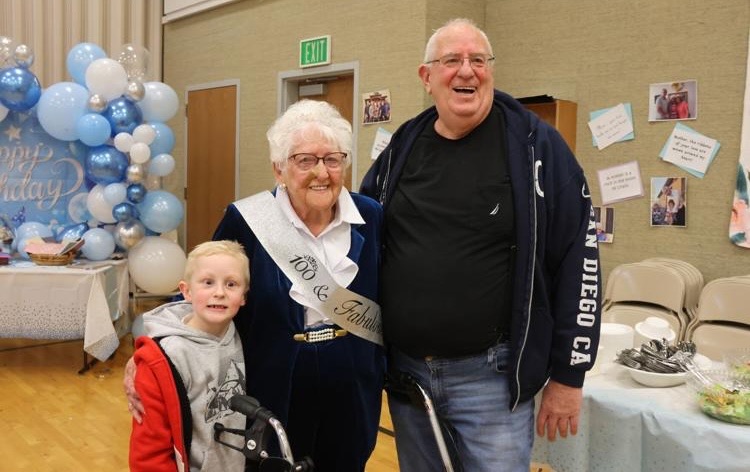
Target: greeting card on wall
{"points": [[690, 150], [620, 183], [611, 125]]}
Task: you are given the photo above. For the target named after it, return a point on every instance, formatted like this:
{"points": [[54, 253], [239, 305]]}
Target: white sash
{"points": [[355, 313]]}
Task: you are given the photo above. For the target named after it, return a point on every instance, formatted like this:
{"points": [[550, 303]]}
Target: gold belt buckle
{"points": [[320, 335]]}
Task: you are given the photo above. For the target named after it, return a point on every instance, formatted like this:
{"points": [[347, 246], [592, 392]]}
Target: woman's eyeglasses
{"points": [[306, 161]]}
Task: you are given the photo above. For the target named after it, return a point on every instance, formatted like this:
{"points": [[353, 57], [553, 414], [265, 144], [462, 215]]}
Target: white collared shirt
{"points": [[330, 247]]}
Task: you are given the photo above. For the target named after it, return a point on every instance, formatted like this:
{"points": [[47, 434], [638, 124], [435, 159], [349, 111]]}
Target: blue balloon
{"points": [[161, 165], [79, 58], [163, 143], [136, 192], [106, 165], [33, 229], [99, 244], [93, 129], [60, 107], [123, 115], [160, 211], [124, 212], [72, 232], [19, 89]]}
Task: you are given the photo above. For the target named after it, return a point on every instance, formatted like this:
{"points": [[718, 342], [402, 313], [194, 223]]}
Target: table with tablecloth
{"points": [[82, 300], [627, 427]]}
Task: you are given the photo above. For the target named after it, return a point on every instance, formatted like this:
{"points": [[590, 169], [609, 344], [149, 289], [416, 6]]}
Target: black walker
{"points": [[256, 439]]}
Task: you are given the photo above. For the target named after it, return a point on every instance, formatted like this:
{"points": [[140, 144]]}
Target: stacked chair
{"points": [[722, 320], [660, 287]]}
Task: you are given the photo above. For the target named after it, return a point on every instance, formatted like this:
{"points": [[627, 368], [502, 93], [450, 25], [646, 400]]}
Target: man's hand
{"points": [[560, 409], [135, 407]]}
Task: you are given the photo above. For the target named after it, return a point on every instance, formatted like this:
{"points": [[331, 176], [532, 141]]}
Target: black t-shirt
{"points": [[448, 244]]}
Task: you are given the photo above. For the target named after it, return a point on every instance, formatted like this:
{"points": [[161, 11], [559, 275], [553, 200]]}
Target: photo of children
{"points": [[673, 101], [376, 107], [668, 201]]}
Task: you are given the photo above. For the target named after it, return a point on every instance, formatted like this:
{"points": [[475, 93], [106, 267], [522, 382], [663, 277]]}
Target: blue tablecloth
{"points": [[626, 427]]}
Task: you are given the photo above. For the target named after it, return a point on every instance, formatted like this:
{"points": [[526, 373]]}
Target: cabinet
{"points": [[562, 114]]}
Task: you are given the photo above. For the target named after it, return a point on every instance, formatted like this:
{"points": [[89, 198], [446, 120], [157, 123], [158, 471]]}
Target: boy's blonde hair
{"points": [[212, 248]]}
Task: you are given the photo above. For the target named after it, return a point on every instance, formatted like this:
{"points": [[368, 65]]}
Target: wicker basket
{"points": [[52, 259]]}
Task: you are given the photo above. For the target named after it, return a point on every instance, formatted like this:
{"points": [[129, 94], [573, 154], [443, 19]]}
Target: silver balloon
{"points": [[135, 173], [24, 56], [128, 233], [135, 90], [97, 103]]}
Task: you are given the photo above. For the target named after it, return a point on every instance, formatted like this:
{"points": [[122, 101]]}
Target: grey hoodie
{"points": [[213, 371]]}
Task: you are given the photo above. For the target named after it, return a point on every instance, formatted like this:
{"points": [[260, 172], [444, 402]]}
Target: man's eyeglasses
{"points": [[306, 161], [455, 61]]}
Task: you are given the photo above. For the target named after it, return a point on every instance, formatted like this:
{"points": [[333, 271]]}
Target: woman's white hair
{"points": [[430, 49], [308, 121]]}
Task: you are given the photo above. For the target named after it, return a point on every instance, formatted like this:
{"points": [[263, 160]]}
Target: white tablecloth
{"points": [[626, 427], [81, 300]]}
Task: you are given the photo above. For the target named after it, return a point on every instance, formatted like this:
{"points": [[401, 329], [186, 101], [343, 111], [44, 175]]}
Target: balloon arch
{"points": [[107, 129]]}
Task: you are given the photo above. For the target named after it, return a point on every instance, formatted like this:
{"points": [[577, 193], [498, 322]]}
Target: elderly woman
{"points": [[310, 328]]}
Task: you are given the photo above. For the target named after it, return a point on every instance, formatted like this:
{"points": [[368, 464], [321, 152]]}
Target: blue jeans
{"points": [[471, 399]]}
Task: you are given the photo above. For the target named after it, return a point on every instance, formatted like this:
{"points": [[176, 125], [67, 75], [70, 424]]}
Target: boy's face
{"points": [[216, 290]]}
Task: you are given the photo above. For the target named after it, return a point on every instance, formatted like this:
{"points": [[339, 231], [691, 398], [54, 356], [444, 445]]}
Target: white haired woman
{"points": [[310, 329]]}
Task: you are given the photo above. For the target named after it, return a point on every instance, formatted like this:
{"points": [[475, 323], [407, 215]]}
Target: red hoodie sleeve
{"points": [[152, 444]]}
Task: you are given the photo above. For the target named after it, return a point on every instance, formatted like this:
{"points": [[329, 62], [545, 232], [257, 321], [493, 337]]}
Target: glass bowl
{"points": [[723, 395]]}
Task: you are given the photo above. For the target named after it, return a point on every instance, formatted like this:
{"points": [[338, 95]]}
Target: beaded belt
{"points": [[325, 334]]}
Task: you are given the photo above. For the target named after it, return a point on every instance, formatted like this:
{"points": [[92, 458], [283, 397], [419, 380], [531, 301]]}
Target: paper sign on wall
{"points": [[611, 126], [689, 150], [620, 183]]}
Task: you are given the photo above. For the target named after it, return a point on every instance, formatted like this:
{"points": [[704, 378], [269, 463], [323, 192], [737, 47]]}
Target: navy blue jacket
{"points": [[270, 318], [556, 294]]}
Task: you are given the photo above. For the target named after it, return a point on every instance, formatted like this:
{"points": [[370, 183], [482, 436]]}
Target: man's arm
{"points": [[559, 411]]}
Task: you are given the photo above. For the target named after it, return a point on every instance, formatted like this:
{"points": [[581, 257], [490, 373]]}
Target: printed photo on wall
{"points": [[605, 224], [668, 201], [673, 101], [376, 107]]}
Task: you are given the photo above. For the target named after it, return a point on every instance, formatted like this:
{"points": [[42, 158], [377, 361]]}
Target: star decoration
{"points": [[13, 132]]}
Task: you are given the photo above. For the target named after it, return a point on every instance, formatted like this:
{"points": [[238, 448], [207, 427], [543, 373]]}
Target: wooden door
{"points": [[338, 92], [211, 157]]}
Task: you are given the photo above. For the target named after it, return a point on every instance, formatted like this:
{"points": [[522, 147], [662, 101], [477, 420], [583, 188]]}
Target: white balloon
{"points": [[4, 113], [107, 78], [160, 102], [140, 153], [123, 142], [144, 134], [98, 205], [115, 193], [156, 264]]}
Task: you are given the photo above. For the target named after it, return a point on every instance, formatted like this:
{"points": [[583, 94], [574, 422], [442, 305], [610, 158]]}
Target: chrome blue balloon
{"points": [[19, 89], [123, 115], [124, 212], [106, 165], [136, 192], [72, 232]]}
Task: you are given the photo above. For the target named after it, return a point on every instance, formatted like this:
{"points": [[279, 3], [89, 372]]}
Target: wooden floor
{"points": [[53, 419]]}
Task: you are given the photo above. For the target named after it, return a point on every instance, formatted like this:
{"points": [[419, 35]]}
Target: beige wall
{"points": [[578, 50]]}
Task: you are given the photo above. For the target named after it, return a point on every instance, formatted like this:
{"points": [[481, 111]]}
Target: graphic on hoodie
{"points": [[218, 398]]}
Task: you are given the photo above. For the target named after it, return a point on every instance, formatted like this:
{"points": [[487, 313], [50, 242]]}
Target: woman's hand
{"points": [[135, 407]]}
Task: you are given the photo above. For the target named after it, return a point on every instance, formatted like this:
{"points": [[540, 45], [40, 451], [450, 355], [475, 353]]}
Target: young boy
{"points": [[191, 365]]}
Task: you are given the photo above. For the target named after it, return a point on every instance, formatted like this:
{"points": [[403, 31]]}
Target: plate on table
{"points": [[656, 379]]}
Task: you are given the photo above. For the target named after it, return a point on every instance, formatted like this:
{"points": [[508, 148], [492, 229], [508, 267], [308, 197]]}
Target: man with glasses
{"points": [[490, 276]]}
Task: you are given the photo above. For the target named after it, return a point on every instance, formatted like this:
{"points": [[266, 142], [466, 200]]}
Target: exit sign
{"points": [[315, 51]]}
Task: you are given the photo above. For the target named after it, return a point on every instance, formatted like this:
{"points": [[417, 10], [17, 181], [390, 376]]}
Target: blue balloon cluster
{"points": [[107, 109]]}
